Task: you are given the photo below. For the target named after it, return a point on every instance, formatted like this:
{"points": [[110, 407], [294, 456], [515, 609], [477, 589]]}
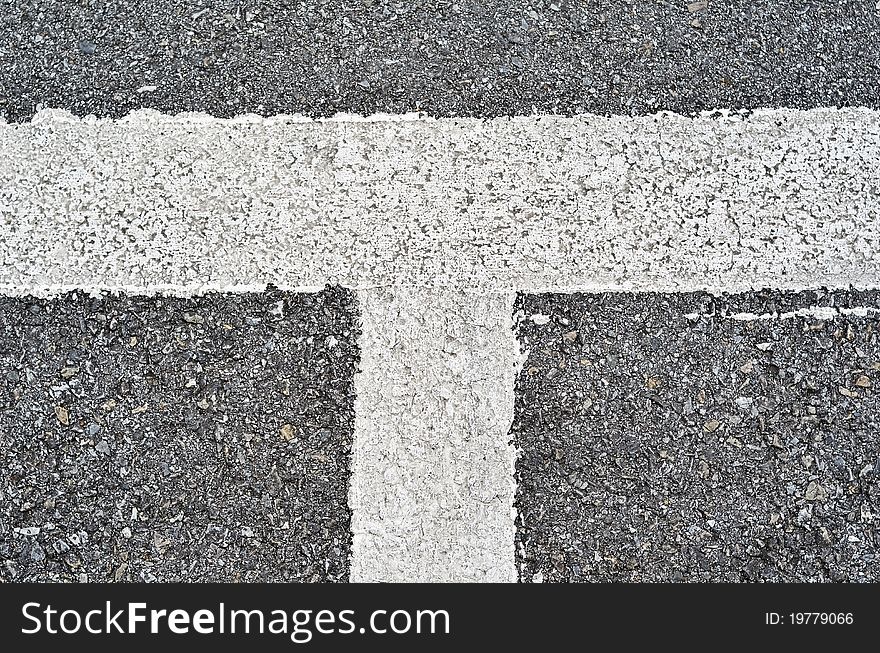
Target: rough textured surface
{"points": [[432, 471], [784, 199], [660, 447], [167, 439], [450, 58]]}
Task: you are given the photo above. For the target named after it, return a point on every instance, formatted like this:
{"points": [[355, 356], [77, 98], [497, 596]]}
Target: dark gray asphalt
{"points": [[161, 439], [461, 58], [661, 448]]}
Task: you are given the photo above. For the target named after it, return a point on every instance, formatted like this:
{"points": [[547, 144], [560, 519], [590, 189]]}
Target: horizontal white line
{"points": [[197, 117], [172, 290], [817, 312], [779, 198]]}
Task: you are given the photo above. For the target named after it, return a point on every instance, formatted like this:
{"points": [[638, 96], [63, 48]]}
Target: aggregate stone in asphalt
{"points": [[443, 57], [658, 446], [172, 439]]}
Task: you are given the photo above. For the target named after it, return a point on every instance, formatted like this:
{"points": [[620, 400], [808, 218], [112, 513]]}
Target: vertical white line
{"points": [[432, 486]]}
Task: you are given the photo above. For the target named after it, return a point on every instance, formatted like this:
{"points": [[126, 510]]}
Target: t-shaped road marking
{"points": [[437, 223]]}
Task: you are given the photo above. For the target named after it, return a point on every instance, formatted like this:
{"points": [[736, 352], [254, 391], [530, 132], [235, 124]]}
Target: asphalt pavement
{"points": [[443, 57], [170, 439], [658, 435], [679, 437]]}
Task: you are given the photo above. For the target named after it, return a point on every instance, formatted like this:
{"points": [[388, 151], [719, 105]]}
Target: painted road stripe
{"points": [[818, 312], [432, 474], [783, 198], [422, 215]]}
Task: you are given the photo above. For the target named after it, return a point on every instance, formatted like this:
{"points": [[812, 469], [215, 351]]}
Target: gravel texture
{"points": [[660, 447], [169, 439], [445, 57]]}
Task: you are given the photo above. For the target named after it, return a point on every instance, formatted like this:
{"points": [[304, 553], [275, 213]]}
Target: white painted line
{"points": [[432, 486], [817, 312], [437, 222], [783, 198], [149, 289]]}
